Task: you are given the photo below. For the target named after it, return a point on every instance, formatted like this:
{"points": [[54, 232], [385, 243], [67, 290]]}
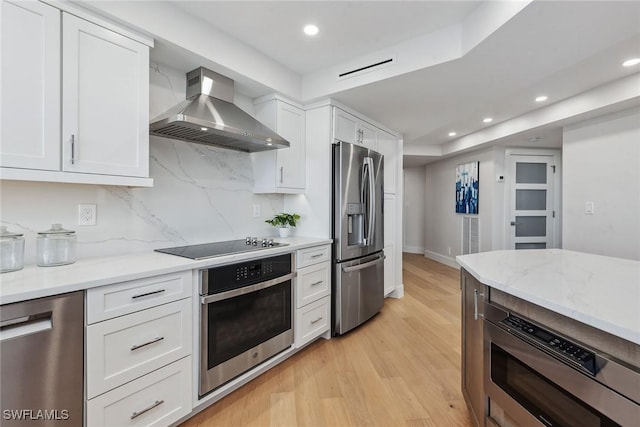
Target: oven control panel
{"points": [[573, 352], [227, 277]]}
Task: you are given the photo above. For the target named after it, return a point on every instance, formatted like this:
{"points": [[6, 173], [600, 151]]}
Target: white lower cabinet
{"points": [[138, 349], [157, 399], [127, 347], [312, 320], [312, 294]]}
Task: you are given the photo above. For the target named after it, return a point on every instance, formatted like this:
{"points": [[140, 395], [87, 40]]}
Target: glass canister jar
{"points": [[56, 246], [11, 250]]}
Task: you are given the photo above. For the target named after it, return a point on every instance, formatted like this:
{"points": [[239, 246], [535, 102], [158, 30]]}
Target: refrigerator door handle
{"points": [[365, 265], [368, 198], [372, 201]]}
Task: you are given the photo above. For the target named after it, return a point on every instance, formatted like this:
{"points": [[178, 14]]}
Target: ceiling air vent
{"points": [[366, 68]]}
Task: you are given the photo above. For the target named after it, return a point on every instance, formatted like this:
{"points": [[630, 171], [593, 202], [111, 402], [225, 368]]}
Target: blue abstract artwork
{"points": [[467, 188]]}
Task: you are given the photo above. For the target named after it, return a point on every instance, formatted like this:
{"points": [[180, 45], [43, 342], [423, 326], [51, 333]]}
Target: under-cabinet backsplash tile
{"points": [[200, 194]]}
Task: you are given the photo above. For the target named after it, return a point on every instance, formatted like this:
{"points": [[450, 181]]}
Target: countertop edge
{"points": [[596, 322], [88, 273]]}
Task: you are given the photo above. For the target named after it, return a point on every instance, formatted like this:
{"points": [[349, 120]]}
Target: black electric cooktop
{"points": [[210, 250]]}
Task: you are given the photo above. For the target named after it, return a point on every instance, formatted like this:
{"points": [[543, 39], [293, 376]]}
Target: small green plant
{"points": [[284, 220]]}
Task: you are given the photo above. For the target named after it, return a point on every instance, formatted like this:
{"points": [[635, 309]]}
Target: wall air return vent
{"points": [[470, 235], [373, 66]]}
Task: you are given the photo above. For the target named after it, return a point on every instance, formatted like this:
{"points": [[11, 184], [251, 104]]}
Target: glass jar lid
{"points": [[8, 234], [56, 229]]}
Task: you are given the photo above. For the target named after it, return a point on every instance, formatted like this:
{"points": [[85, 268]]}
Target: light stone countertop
{"points": [[600, 291], [36, 282]]}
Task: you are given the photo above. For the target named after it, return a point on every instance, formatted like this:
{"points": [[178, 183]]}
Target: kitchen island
{"points": [[591, 300]]}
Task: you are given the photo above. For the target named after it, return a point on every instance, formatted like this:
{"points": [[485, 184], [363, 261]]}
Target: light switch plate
{"points": [[589, 208]]}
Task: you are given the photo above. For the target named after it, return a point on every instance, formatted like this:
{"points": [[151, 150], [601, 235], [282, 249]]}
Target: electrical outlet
{"points": [[87, 214], [449, 251], [257, 211]]}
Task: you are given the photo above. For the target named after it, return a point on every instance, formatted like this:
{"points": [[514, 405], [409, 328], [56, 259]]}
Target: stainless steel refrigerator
{"points": [[358, 260]]}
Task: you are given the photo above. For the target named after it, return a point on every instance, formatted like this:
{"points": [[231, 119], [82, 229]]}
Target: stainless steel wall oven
{"points": [[541, 378], [246, 317]]}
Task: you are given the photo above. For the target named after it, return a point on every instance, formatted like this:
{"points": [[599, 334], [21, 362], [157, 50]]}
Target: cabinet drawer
{"points": [[312, 283], [157, 399], [115, 300], [125, 348], [310, 256], [312, 320]]}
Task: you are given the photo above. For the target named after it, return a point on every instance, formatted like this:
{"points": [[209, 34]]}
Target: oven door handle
{"points": [[206, 299]]}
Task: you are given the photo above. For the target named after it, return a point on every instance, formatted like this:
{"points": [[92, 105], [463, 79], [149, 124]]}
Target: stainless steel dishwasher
{"points": [[42, 362]]}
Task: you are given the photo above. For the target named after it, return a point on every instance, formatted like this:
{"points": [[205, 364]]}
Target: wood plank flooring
{"points": [[402, 368]]}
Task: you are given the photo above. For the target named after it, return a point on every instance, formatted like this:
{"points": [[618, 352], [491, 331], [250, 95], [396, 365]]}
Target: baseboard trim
{"points": [[413, 249], [451, 262], [398, 292]]}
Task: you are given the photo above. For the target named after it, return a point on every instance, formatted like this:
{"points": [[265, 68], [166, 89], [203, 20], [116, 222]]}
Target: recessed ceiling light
{"points": [[452, 134], [310, 30], [487, 120], [542, 98], [204, 129], [631, 62]]}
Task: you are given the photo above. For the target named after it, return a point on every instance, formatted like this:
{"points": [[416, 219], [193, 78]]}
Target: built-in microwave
{"points": [[542, 378]]}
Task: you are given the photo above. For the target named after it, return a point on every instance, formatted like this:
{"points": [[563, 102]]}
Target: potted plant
{"points": [[283, 221]]}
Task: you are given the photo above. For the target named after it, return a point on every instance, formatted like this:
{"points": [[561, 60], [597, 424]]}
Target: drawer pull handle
{"points": [[147, 294], [155, 340], [156, 404], [317, 283], [313, 322], [316, 255]]}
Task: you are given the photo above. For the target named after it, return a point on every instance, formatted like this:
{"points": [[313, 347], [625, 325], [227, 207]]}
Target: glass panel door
{"points": [[531, 205]]}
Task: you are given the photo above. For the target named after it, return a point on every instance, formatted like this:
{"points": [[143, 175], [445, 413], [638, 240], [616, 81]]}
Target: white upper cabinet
{"points": [[30, 86], [75, 99], [282, 170], [105, 103], [388, 147], [348, 128]]}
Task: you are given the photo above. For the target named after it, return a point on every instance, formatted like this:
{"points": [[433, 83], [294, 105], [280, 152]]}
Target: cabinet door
{"points": [[368, 136], [30, 86], [387, 146], [345, 126], [105, 107], [291, 162], [472, 346]]}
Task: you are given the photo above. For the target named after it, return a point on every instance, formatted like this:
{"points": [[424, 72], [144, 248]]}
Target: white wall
{"points": [[443, 232], [200, 194], [601, 164], [414, 210]]}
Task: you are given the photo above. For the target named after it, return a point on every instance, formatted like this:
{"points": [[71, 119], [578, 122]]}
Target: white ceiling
{"points": [[556, 48]]}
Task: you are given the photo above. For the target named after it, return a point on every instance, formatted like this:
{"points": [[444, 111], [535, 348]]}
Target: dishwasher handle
{"points": [[26, 325]]}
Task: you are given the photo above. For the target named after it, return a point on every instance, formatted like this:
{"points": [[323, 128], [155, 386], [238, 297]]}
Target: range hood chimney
{"points": [[210, 117]]}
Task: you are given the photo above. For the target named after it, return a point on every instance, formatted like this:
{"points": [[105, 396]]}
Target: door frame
{"points": [[556, 154]]}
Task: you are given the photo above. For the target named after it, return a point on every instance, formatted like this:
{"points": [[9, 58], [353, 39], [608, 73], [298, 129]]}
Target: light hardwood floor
{"points": [[402, 368]]}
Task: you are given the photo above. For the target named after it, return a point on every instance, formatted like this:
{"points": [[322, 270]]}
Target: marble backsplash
{"points": [[200, 194]]}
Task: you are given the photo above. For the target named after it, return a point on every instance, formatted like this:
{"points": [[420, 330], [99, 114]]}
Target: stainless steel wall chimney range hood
{"points": [[208, 116]]}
